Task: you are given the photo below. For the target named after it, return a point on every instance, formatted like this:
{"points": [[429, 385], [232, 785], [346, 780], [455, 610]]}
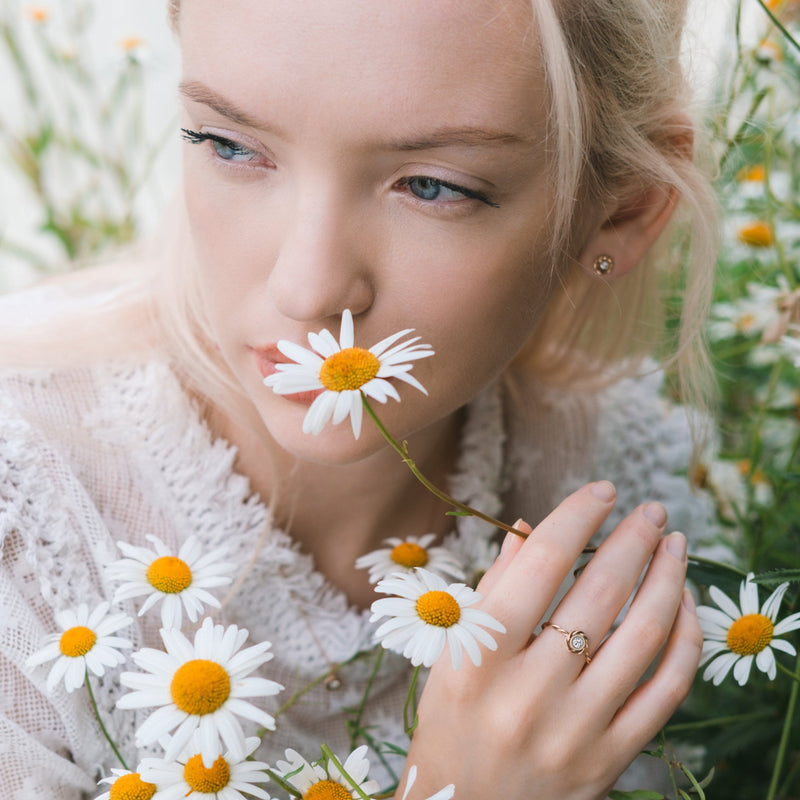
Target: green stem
{"points": [[710, 562], [715, 721], [402, 450], [355, 723], [779, 25], [284, 784], [783, 746], [411, 704], [316, 682], [326, 751], [100, 722], [793, 675]]}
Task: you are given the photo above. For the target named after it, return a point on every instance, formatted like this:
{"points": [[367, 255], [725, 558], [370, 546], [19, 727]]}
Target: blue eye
{"points": [[226, 149], [433, 190]]}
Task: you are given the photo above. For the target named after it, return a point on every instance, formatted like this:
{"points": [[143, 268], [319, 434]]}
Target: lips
{"points": [[267, 358]]}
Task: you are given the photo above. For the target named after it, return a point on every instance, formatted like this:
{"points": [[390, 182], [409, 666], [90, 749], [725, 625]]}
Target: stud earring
{"points": [[603, 265]]}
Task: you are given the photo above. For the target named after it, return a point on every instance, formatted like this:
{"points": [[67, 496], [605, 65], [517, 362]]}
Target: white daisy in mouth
{"points": [[442, 794], [126, 785], [228, 778], [738, 636], [405, 555], [326, 782], [200, 687], [180, 581], [344, 372], [426, 613], [86, 642]]}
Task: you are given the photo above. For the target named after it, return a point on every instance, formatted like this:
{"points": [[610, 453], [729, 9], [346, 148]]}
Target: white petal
{"points": [[719, 668], [748, 596], [741, 669], [765, 661], [725, 603], [346, 331]]}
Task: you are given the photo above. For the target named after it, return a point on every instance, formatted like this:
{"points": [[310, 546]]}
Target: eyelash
{"points": [[196, 137]]}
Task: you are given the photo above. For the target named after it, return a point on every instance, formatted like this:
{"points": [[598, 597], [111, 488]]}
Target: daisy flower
{"points": [[86, 642], [127, 785], [426, 614], [343, 372], [404, 555], [226, 779], [328, 782], [442, 794], [199, 687], [736, 636], [179, 580]]}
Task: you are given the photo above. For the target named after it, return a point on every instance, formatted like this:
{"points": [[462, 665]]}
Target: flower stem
{"points": [[402, 450], [100, 722], [793, 675], [787, 727], [355, 723], [410, 705], [326, 751]]}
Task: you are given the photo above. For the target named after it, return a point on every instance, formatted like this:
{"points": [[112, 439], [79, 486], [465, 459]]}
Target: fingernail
{"points": [[656, 513], [604, 490], [688, 601], [676, 544]]}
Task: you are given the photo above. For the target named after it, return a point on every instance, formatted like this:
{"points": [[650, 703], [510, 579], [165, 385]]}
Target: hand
{"points": [[535, 720]]}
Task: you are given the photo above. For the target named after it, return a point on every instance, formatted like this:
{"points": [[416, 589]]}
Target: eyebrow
{"points": [[445, 137]]}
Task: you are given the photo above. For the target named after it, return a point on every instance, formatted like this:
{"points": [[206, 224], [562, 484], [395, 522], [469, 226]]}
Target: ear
{"points": [[629, 232], [631, 229]]}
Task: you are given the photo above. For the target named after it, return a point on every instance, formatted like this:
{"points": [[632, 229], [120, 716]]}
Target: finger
{"points": [[511, 546], [652, 704], [528, 584], [603, 588], [635, 644]]}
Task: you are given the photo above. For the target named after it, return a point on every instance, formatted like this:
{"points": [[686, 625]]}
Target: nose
{"points": [[322, 264]]}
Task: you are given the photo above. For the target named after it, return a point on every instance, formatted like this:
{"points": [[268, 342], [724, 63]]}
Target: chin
{"points": [[334, 446]]}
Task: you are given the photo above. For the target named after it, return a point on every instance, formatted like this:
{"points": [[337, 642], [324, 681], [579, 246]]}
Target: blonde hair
{"points": [[618, 98], [619, 104]]}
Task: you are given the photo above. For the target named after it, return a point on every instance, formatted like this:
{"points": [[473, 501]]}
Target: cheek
{"points": [[230, 249]]}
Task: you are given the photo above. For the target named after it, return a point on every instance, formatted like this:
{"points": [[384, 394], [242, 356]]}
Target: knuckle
{"points": [[649, 634]]}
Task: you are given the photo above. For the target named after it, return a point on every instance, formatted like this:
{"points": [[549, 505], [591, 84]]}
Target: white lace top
{"points": [[92, 456]]}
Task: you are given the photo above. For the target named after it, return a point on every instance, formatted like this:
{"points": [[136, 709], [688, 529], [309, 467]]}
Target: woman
{"points": [[495, 175]]}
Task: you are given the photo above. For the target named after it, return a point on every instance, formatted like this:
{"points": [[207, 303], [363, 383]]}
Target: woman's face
{"points": [[376, 155]]}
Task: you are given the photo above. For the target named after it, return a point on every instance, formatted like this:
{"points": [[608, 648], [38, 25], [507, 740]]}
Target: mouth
{"points": [[267, 358]]}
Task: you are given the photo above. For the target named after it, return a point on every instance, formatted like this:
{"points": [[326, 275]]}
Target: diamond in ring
{"points": [[577, 642]]}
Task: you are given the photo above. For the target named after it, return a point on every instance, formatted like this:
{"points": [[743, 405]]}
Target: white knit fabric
{"points": [[92, 456]]}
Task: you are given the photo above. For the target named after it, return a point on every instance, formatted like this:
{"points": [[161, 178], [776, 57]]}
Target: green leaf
{"points": [[637, 794], [777, 576]]}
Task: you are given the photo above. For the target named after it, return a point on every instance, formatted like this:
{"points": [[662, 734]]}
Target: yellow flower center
{"points": [[349, 369], [438, 608], [77, 641], [750, 634], [756, 234], [327, 790], [131, 787], [200, 779], [408, 554], [169, 574], [746, 322], [200, 686]]}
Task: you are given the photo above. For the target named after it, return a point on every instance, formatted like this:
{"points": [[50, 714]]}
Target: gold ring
{"points": [[577, 641]]}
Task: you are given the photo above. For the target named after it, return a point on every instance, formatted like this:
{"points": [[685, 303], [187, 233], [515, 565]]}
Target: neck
{"points": [[337, 513]]}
